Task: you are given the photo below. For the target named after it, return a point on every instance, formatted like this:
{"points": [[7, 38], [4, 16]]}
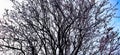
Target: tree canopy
{"points": [[59, 27]]}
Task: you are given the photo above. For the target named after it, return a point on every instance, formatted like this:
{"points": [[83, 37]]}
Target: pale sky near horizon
{"points": [[4, 4]]}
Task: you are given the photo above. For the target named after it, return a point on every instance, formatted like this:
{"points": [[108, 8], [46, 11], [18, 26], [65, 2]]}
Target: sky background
{"points": [[3, 5], [115, 22]]}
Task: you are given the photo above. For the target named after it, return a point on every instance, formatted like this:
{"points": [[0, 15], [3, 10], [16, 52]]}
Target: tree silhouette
{"points": [[58, 27]]}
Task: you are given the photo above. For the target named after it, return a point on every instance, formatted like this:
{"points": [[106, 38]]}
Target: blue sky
{"points": [[118, 6], [115, 22]]}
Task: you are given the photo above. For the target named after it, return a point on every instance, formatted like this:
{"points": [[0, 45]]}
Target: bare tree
{"points": [[55, 27]]}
